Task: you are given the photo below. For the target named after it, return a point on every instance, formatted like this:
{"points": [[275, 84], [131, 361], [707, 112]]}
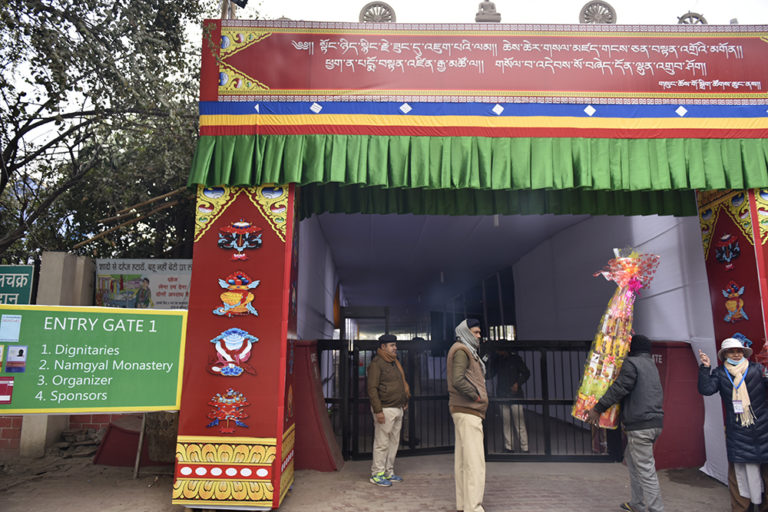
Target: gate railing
{"points": [[553, 435]]}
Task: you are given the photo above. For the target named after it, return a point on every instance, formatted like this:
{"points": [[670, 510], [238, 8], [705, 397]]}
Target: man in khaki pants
{"points": [[389, 394], [468, 401]]}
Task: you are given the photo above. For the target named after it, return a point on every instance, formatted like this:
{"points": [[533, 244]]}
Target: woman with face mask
{"points": [[742, 385]]}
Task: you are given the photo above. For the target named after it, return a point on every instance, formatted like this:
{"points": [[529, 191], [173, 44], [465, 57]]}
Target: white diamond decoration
{"points": [[256, 108], [681, 111], [590, 110], [498, 109], [405, 108], [316, 108]]}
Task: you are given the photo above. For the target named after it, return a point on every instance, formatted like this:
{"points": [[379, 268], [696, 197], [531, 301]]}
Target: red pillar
{"points": [[736, 260], [236, 426]]}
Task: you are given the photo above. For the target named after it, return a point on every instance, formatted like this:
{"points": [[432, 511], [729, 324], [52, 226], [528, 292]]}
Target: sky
{"points": [[646, 12]]}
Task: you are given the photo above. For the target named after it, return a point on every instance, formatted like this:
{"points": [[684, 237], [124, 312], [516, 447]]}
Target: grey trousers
{"points": [[646, 494]]}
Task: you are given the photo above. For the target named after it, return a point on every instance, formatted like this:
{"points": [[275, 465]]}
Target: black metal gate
{"points": [[553, 434]]}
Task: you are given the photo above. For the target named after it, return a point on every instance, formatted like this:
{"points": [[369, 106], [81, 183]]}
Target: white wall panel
{"points": [[558, 299], [317, 283]]}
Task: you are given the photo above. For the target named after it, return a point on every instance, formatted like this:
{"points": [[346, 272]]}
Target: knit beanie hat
{"points": [[639, 345]]}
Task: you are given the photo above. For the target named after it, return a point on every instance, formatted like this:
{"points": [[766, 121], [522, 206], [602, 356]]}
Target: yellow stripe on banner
{"points": [[96, 309], [181, 361], [93, 410], [751, 123]]}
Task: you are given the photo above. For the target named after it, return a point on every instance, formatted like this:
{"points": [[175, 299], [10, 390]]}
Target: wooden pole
{"points": [[141, 443], [126, 210]]}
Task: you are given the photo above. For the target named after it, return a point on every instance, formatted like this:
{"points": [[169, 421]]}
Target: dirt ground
{"points": [[77, 485]]}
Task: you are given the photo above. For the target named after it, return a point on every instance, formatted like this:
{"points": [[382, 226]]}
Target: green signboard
{"points": [[59, 359], [16, 284]]}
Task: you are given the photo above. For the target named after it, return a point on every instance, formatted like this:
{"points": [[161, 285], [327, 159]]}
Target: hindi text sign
{"points": [[16, 284]]}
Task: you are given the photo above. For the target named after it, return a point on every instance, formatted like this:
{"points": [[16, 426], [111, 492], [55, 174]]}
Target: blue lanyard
{"points": [[731, 378]]}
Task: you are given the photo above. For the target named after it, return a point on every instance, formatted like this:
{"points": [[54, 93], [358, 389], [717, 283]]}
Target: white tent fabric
{"points": [[716, 464]]}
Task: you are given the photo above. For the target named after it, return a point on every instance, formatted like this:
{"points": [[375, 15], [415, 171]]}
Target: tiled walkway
{"points": [[70, 485], [510, 487]]}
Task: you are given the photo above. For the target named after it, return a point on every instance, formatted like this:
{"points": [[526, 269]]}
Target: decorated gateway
{"points": [[299, 118]]}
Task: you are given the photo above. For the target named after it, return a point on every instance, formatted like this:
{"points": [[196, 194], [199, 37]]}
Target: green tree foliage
{"points": [[98, 111]]}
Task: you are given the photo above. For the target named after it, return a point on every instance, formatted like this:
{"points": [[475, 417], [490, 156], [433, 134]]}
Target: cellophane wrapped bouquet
{"points": [[631, 272]]}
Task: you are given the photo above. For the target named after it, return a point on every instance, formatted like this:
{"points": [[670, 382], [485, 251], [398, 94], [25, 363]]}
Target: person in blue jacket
{"points": [[742, 386]]}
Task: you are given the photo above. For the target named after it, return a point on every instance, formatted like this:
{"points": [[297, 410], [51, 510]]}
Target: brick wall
{"points": [[93, 421], [10, 428], [10, 434]]}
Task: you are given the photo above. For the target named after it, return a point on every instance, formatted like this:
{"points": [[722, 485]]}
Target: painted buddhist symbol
{"points": [[237, 298], [233, 350], [240, 236], [734, 303], [227, 410], [727, 250]]}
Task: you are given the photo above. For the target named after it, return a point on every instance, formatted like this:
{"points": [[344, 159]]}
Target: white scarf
{"points": [[465, 336], [746, 418]]}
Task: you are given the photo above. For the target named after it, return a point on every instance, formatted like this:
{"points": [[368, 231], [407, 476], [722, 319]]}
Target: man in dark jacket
{"points": [[389, 394], [511, 373], [638, 389]]}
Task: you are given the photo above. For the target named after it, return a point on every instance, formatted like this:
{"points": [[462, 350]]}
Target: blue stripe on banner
{"points": [[486, 109]]}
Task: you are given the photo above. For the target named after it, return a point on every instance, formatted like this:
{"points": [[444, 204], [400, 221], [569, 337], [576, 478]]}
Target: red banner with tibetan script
{"points": [[281, 60]]}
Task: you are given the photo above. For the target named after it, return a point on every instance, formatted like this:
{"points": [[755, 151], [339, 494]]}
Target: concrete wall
{"points": [[65, 279], [317, 283], [557, 297]]}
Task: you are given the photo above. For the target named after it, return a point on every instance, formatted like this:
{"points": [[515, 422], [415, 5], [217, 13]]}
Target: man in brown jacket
{"points": [[389, 394], [468, 401]]}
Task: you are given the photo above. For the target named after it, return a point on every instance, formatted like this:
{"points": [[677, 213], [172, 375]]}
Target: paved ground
{"points": [[72, 485]]}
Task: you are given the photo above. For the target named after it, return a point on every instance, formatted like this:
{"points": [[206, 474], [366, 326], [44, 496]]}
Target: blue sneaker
{"points": [[380, 479], [394, 478]]}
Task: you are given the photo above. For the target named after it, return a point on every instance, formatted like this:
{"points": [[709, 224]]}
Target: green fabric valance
{"points": [[440, 175], [334, 198]]}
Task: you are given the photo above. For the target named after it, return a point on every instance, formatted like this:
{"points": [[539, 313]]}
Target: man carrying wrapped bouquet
{"points": [[638, 389]]}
